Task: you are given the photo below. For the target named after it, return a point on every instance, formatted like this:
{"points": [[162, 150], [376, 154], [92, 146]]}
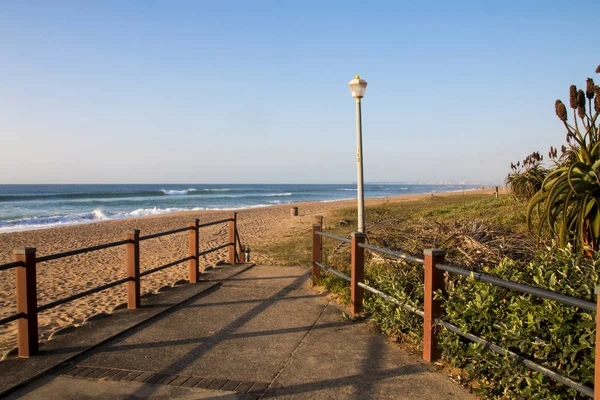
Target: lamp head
{"points": [[357, 87]]}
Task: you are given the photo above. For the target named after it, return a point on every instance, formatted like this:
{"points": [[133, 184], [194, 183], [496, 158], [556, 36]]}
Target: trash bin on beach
{"points": [[294, 211]]}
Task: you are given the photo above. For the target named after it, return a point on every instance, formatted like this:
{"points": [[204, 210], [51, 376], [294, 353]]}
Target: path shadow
{"points": [[349, 381]]}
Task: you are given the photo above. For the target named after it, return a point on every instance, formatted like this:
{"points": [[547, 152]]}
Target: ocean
{"points": [[24, 207]]}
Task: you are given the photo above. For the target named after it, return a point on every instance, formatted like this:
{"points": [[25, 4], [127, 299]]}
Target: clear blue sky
{"points": [[256, 91]]}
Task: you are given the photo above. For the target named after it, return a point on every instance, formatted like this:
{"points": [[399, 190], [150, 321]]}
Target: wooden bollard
{"points": [[132, 263], [294, 211], [357, 274], [194, 263], [27, 336], [434, 281], [316, 252], [232, 230]]}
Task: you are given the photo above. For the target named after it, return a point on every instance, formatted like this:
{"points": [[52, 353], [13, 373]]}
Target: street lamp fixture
{"points": [[357, 88]]}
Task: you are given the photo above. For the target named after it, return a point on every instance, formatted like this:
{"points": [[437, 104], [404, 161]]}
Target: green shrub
{"points": [[556, 336], [403, 282]]}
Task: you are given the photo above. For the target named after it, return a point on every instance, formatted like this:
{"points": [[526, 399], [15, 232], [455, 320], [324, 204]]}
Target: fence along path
{"points": [[26, 261], [434, 268]]}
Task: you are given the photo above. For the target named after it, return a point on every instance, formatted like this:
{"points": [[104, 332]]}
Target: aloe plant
{"points": [[526, 177], [568, 202]]}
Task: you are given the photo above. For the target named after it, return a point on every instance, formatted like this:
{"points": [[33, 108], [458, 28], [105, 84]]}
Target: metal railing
{"points": [[434, 269], [26, 261]]}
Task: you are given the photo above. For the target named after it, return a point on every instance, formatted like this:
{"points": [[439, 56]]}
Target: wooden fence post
{"points": [[597, 350], [434, 280], [232, 229], [194, 263], [319, 220], [357, 274], [316, 252], [132, 262], [27, 336]]}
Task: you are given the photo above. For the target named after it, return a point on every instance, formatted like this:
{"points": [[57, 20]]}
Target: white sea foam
{"points": [[51, 221], [278, 194], [145, 212], [217, 190], [175, 192], [34, 223], [348, 190], [332, 200]]}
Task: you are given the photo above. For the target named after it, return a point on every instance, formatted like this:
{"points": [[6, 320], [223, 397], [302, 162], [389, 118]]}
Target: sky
{"points": [[257, 91]]}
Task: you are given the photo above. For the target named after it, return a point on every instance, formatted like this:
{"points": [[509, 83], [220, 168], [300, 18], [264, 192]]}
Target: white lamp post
{"points": [[357, 88]]}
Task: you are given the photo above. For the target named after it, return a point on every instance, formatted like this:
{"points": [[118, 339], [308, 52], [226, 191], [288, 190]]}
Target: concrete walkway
{"points": [[262, 333]]}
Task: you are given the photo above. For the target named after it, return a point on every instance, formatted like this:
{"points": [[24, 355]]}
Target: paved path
{"points": [[261, 333]]}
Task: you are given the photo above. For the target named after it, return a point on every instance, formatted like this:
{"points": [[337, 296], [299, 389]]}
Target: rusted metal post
{"points": [[194, 263], [597, 350], [132, 262], [357, 274], [27, 337], [316, 252], [232, 229], [434, 281]]}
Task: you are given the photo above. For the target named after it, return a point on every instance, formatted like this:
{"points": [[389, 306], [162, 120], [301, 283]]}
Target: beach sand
{"points": [[258, 228]]}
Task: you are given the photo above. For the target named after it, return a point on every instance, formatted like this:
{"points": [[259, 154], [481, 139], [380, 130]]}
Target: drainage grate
{"points": [[111, 374]]}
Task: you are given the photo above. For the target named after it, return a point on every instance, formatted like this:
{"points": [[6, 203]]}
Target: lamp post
{"points": [[357, 88]]}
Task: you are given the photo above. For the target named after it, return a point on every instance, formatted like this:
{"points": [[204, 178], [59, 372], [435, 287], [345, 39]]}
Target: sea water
{"points": [[24, 207]]}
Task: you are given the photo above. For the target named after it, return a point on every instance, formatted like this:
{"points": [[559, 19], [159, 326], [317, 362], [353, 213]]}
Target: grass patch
{"points": [[485, 229]]}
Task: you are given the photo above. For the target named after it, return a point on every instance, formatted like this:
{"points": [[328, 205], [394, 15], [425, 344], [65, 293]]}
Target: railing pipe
{"points": [[27, 336], [333, 271], [214, 249], [10, 265], [132, 258], [25, 265], [391, 299], [316, 252], [97, 289], [393, 253], [159, 234], [172, 263], [434, 281], [221, 221], [547, 294], [329, 235], [11, 318], [357, 273], [194, 249], [528, 363], [80, 251]]}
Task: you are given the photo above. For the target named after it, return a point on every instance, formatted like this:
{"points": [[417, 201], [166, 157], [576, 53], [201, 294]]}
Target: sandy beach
{"points": [[258, 228]]}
